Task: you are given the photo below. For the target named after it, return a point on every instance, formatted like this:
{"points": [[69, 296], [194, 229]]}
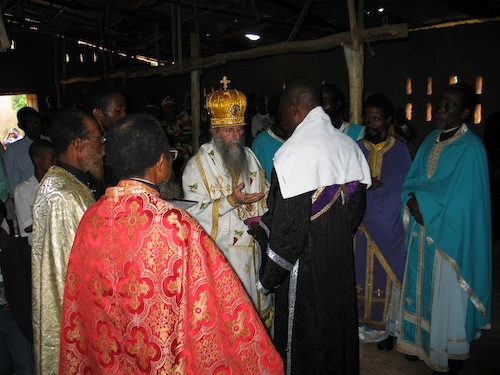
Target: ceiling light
{"points": [[252, 36], [381, 10]]}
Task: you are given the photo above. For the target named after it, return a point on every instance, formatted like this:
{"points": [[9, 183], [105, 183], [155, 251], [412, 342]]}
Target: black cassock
{"points": [[308, 262]]}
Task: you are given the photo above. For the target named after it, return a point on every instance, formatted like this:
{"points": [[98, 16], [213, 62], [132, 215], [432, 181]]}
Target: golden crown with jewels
{"points": [[226, 107]]}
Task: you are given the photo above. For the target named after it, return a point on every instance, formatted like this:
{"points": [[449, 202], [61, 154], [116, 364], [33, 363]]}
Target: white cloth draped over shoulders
{"points": [[300, 162]]}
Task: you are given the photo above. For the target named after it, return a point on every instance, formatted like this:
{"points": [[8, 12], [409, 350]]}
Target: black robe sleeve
{"points": [[283, 234]]}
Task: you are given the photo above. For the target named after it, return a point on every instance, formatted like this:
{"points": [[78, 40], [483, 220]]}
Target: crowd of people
{"points": [[293, 237]]}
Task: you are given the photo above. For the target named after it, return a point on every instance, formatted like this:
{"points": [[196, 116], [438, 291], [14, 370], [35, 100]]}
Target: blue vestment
{"points": [[264, 146], [355, 131], [447, 286]]}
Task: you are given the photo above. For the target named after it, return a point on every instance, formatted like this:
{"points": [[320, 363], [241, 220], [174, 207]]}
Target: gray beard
{"points": [[235, 159], [92, 163], [170, 190]]}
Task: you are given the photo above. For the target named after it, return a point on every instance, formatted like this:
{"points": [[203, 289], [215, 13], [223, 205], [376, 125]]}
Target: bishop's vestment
{"points": [[206, 181]]}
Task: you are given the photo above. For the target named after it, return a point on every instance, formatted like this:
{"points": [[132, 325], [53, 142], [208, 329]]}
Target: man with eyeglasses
{"points": [[229, 184], [177, 306], [62, 198]]}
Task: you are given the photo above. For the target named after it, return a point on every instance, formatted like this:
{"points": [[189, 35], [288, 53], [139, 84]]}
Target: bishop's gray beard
{"points": [[235, 158]]}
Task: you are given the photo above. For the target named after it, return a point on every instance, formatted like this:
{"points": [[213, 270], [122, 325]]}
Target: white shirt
{"points": [[260, 123], [24, 197]]}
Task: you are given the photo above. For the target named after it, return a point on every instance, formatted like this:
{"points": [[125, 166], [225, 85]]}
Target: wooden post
{"points": [[195, 93], [355, 69], [353, 54]]}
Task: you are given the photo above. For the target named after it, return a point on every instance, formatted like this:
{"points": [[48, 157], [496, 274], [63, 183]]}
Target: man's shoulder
{"points": [[15, 147], [261, 137], [27, 184], [357, 126], [205, 153], [58, 181], [250, 152], [206, 150]]}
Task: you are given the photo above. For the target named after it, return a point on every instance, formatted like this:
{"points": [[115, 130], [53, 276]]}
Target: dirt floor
{"points": [[484, 354]]}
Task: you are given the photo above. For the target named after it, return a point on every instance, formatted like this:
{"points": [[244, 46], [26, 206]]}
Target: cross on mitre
{"points": [[225, 82]]}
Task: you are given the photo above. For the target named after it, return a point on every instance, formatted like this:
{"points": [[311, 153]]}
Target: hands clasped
{"points": [[415, 209]]}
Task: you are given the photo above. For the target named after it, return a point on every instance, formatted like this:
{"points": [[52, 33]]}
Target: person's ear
{"points": [[97, 113], [465, 114], [163, 169], [79, 144]]}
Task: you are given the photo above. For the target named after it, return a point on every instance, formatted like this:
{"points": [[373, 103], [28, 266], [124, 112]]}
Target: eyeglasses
{"points": [[233, 131], [100, 137], [174, 153]]}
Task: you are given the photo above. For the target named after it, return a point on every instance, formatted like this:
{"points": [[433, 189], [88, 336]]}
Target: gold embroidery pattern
{"points": [[437, 149], [134, 287], [316, 195], [202, 171], [105, 343], [200, 312], [376, 158], [133, 220], [374, 297], [143, 351], [237, 328]]}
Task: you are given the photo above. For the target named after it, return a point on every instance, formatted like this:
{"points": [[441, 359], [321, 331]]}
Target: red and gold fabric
{"points": [[148, 292]]}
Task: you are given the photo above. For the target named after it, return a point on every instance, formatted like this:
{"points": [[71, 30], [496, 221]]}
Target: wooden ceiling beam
{"points": [[322, 44], [300, 20]]}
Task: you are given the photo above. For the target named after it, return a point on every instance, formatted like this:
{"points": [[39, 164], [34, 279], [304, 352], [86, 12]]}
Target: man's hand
{"points": [[376, 183], [241, 198], [415, 209], [252, 228]]}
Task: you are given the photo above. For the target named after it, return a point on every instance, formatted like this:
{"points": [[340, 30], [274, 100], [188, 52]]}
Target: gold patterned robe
{"points": [[148, 292], [59, 205]]}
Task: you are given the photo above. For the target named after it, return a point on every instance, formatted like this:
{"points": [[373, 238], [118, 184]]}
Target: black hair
{"points": [[468, 97], [303, 91], [24, 113], [39, 146], [98, 99], [273, 107], [380, 101], [67, 126], [335, 91], [134, 144]]}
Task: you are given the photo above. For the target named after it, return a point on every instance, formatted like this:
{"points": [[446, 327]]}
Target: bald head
{"points": [[300, 96]]}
